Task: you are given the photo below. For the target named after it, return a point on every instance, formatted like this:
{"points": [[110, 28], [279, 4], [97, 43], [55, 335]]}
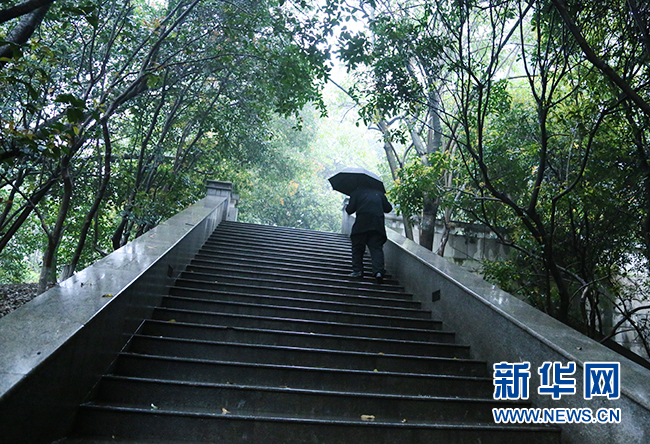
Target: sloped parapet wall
{"points": [[501, 328], [55, 348]]}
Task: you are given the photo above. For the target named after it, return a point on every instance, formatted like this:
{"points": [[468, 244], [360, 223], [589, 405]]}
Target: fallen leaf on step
{"points": [[172, 320], [380, 353], [367, 417], [224, 411], [404, 420], [375, 370], [107, 295], [153, 406]]}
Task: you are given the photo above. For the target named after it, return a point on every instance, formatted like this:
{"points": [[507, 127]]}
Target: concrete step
{"points": [[222, 282], [304, 357], [238, 229], [205, 302], [297, 244], [296, 267], [303, 325], [286, 275], [281, 255], [164, 395], [341, 267], [286, 312], [316, 252], [231, 295], [302, 339], [148, 423], [301, 377]]}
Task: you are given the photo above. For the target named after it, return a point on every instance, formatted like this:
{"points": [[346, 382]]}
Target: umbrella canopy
{"points": [[348, 179]]}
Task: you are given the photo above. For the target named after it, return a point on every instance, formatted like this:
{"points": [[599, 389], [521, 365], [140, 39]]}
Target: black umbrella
{"points": [[347, 180]]}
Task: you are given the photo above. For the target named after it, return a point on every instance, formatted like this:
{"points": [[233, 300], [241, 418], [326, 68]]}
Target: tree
{"points": [[552, 153], [151, 99], [625, 65], [400, 84]]}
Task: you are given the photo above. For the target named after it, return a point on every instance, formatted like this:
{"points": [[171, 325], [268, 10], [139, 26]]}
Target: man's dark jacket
{"points": [[370, 206]]}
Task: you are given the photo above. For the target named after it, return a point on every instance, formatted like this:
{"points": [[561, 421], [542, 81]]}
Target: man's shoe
{"points": [[356, 274], [380, 278]]}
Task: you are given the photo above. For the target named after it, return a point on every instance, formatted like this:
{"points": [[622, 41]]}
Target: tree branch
{"points": [[22, 9], [599, 63], [23, 30]]}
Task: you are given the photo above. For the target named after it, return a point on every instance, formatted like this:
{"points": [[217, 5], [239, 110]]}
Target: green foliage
{"points": [[292, 189], [385, 58], [186, 90], [539, 145], [417, 180]]}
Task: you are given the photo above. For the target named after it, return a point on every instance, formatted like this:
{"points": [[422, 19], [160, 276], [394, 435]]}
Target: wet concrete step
{"points": [[285, 312], [239, 229], [147, 423], [206, 301], [307, 378], [279, 288], [315, 252], [303, 339], [303, 325], [304, 357], [298, 244], [164, 395], [280, 275], [287, 260], [251, 263], [279, 254], [281, 229], [231, 295]]}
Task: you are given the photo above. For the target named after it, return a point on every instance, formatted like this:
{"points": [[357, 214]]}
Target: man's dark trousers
{"points": [[375, 242]]}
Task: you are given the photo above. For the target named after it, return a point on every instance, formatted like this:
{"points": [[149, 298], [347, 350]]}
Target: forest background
{"points": [[530, 117]]}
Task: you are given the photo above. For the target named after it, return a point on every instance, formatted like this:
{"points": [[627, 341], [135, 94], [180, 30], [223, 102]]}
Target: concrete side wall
{"points": [[500, 327], [54, 349]]}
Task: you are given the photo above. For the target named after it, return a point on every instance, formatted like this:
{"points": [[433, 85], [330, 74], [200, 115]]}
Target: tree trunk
{"points": [[116, 239], [99, 196], [444, 238], [23, 31], [48, 269], [433, 144], [394, 166], [428, 222], [22, 9]]}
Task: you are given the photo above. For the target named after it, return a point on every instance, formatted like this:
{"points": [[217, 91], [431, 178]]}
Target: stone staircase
{"points": [[265, 339]]}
